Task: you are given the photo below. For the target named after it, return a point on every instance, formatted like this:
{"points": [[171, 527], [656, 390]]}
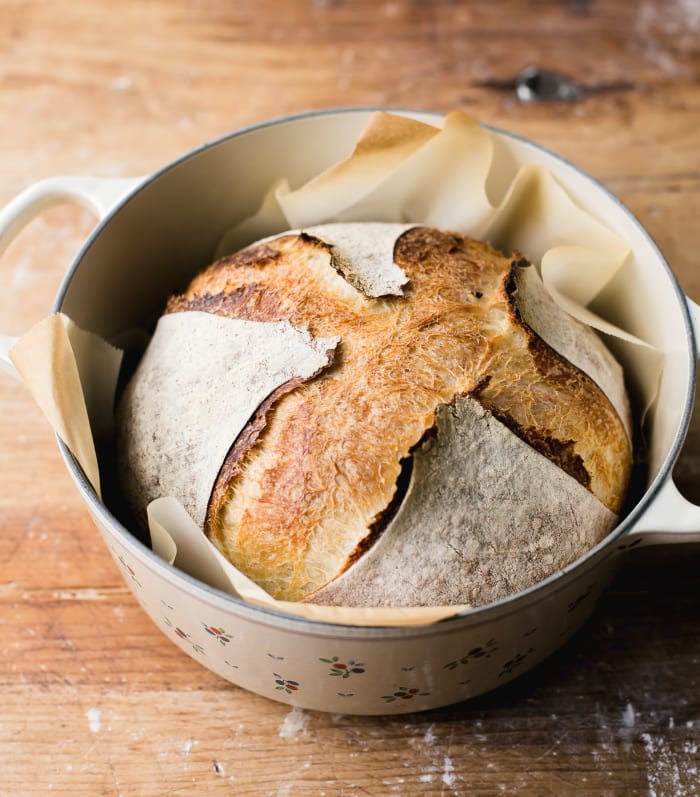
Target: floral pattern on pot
{"points": [[579, 599], [218, 633], [404, 693], [285, 684], [633, 544], [478, 652], [344, 669], [512, 664], [129, 569], [184, 636], [212, 636]]}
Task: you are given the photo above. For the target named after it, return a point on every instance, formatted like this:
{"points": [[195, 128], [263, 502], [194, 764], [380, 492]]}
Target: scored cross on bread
{"points": [[436, 346]]}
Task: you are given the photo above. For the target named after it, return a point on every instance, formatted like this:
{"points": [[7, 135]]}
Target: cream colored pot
{"points": [[154, 233]]}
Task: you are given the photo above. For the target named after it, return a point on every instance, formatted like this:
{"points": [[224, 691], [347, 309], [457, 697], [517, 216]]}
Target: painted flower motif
{"points": [[184, 636], [512, 664], [479, 652], [285, 684], [223, 637], [344, 670], [579, 600], [404, 693], [633, 544], [129, 569]]}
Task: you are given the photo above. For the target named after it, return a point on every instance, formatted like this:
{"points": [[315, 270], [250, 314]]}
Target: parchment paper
{"points": [[400, 171], [72, 375]]}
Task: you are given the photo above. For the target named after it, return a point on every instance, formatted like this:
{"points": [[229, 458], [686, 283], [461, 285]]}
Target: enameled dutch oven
{"points": [[156, 232]]}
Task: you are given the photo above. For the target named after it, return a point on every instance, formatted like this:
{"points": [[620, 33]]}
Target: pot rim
{"points": [[478, 613]]}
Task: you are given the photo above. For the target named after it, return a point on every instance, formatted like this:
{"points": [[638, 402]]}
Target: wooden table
{"points": [[94, 699]]}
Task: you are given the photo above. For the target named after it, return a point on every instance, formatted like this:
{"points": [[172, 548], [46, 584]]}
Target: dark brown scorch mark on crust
{"points": [[307, 238], [249, 302], [545, 359], [246, 440], [255, 255], [243, 443], [511, 286], [382, 520], [547, 362], [561, 452]]}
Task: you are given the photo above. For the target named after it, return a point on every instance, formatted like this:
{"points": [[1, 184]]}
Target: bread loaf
{"points": [[455, 436]]}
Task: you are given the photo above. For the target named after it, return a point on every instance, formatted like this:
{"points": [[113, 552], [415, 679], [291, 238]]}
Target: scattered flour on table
{"points": [[189, 744], [674, 17], [430, 737], [448, 774], [93, 715], [121, 83], [23, 277], [691, 13], [666, 773], [667, 31], [294, 724]]}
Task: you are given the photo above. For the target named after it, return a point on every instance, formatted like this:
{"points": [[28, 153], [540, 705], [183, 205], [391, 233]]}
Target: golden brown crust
{"points": [[233, 463], [484, 516], [583, 439], [293, 509]]}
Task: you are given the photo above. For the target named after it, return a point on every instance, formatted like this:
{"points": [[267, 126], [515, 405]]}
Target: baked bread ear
{"points": [[457, 438]]}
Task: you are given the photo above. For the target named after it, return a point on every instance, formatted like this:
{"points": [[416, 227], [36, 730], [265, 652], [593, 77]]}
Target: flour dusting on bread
{"points": [[464, 440]]}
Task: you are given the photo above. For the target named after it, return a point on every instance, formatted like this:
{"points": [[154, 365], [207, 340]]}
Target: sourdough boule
{"points": [[379, 415]]}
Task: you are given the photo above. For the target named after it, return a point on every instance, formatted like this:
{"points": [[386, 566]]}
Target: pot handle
{"points": [[98, 194], [671, 518]]}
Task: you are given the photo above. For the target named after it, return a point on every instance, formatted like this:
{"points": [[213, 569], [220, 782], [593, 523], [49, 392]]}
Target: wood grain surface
{"points": [[95, 700]]}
